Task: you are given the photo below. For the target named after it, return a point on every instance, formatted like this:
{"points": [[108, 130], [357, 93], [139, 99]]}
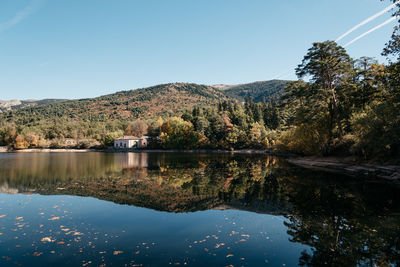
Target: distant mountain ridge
{"points": [[164, 100], [259, 91], [17, 104]]}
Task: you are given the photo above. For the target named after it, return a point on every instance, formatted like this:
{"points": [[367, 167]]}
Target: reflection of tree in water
{"points": [[345, 222], [345, 227]]}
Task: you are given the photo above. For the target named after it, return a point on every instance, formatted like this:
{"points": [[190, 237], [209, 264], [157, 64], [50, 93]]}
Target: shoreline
{"points": [[349, 167], [47, 150], [111, 150]]}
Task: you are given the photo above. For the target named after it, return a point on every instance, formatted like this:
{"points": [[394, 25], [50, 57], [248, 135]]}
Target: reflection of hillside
{"points": [[158, 181], [33, 169], [168, 187]]}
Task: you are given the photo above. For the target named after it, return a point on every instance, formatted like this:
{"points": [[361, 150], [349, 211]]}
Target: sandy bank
{"points": [[349, 167], [45, 150]]}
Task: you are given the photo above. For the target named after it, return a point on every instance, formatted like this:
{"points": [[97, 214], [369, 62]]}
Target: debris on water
{"points": [[77, 233], [219, 245], [47, 239]]}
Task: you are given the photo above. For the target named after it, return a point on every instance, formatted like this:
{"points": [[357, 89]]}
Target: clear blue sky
{"points": [[76, 48]]}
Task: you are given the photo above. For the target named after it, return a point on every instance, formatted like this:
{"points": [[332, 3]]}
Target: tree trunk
{"points": [[336, 113]]}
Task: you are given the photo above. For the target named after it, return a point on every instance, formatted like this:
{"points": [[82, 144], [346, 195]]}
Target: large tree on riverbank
{"points": [[329, 69]]}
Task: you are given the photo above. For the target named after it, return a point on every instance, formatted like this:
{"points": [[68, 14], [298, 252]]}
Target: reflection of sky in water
{"points": [[119, 234]]}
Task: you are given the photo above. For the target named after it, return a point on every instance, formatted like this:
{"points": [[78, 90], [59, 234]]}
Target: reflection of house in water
{"points": [[133, 160], [134, 165]]}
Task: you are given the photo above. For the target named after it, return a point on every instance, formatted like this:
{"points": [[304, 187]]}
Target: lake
{"points": [[161, 209]]}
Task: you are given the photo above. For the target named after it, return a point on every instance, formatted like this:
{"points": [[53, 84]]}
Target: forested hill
{"points": [[259, 91], [164, 100]]}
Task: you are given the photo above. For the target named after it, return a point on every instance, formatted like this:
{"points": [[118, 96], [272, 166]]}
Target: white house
{"points": [[131, 142]]}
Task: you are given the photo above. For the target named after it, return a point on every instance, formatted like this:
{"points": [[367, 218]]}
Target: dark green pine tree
{"points": [[328, 68]]}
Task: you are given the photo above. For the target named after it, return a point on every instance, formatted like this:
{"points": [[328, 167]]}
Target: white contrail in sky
{"points": [[370, 31], [365, 22], [21, 15]]}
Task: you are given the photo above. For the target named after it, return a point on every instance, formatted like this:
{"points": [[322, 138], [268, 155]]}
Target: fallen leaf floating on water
{"points": [[219, 245], [77, 233], [47, 239], [54, 218], [117, 252]]}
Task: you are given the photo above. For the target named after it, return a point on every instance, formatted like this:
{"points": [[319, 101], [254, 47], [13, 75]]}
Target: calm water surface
{"points": [[92, 209]]}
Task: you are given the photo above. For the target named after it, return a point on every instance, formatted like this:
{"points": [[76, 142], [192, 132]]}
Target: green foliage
{"points": [[178, 134], [107, 139], [346, 107]]}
